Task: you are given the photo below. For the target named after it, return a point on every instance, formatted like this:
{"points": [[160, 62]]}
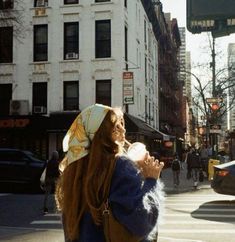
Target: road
{"points": [[199, 216], [196, 215], [22, 219], [189, 215]]}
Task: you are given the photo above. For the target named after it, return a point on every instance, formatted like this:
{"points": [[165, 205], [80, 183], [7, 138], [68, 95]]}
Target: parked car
{"points": [[224, 178], [20, 167]]}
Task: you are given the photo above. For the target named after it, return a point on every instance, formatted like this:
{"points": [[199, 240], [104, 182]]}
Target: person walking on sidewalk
{"points": [[194, 165], [175, 166], [204, 159], [52, 174]]}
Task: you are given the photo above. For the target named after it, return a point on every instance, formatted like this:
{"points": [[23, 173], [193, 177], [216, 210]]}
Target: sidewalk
{"points": [[185, 184]]}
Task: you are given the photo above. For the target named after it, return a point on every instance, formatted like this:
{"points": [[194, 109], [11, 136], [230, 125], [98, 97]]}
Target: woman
{"points": [[95, 170]]}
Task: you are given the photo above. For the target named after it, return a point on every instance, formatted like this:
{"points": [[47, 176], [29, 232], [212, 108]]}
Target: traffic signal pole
{"points": [[213, 68], [214, 141]]}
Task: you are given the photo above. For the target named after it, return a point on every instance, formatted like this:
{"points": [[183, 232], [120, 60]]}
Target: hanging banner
{"points": [[128, 87]]}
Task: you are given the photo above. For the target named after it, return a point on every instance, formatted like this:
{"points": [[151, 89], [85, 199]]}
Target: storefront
{"points": [[155, 141], [25, 132]]}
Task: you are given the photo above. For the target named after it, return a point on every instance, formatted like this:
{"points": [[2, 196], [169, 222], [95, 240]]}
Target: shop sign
{"points": [[14, 123], [128, 87]]}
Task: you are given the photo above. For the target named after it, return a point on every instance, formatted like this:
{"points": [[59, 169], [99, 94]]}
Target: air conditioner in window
{"points": [[71, 55], [19, 107], [39, 109], [41, 3]]}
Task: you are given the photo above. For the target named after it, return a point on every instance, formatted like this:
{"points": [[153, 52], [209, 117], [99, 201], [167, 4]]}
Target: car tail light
{"points": [[223, 172]]}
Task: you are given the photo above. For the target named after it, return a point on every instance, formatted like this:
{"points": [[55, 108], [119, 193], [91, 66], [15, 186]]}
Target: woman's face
{"points": [[118, 134]]}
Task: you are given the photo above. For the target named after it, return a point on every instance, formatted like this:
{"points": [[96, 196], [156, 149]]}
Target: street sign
{"points": [[128, 87], [214, 100]]}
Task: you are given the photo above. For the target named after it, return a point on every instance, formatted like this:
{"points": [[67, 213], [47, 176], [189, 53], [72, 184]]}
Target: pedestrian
{"points": [[97, 174], [194, 165], [52, 174], [204, 159], [175, 166]]}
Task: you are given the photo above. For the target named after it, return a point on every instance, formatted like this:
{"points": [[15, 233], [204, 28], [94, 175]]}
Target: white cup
{"points": [[136, 151]]}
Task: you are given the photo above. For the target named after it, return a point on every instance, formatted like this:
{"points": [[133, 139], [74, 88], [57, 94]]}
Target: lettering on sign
{"points": [[14, 123], [128, 87]]}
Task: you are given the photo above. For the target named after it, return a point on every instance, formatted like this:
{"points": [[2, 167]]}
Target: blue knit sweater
{"points": [[132, 201]]}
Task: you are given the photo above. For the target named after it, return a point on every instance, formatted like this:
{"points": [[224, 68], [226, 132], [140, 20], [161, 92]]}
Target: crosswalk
{"points": [[198, 217], [48, 220], [188, 217]]}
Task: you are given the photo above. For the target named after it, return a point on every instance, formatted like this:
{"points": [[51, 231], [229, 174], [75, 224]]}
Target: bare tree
{"points": [[221, 85]]}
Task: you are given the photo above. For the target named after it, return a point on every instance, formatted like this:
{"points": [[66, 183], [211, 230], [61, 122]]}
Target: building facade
{"points": [[57, 57]]}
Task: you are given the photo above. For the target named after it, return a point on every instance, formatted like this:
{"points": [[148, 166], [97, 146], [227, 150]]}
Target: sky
{"points": [[198, 44]]}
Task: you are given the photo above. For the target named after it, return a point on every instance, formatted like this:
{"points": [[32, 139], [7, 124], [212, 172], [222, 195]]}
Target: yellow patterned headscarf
{"points": [[77, 140]]}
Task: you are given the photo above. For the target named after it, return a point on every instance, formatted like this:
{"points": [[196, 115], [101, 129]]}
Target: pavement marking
{"points": [[198, 231], [52, 215], [29, 228], [201, 198], [199, 215], [204, 210], [181, 240], [46, 222], [197, 222], [196, 204]]}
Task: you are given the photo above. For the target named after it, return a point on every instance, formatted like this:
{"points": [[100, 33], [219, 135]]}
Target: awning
{"points": [[136, 125], [165, 137]]}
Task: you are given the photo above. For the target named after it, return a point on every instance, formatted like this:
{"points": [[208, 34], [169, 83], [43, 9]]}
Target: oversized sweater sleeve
{"points": [[131, 198]]}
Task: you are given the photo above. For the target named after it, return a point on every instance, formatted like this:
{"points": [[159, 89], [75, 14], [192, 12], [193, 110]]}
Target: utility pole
{"points": [[213, 68], [214, 135]]}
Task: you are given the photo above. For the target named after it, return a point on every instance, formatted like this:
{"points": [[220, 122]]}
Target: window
{"points": [[71, 40], [71, 1], [6, 4], [40, 3], [103, 92], [103, 39], [40, 42], [5, 97], [71, 95], [100, 1], [39, 98], [6, 44]]}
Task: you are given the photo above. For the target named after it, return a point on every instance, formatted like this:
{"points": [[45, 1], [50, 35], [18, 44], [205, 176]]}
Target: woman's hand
{"points": [[150, 167]]}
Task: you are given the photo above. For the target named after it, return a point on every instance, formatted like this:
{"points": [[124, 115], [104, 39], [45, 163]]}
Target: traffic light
{"points": [[215, 107]]}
